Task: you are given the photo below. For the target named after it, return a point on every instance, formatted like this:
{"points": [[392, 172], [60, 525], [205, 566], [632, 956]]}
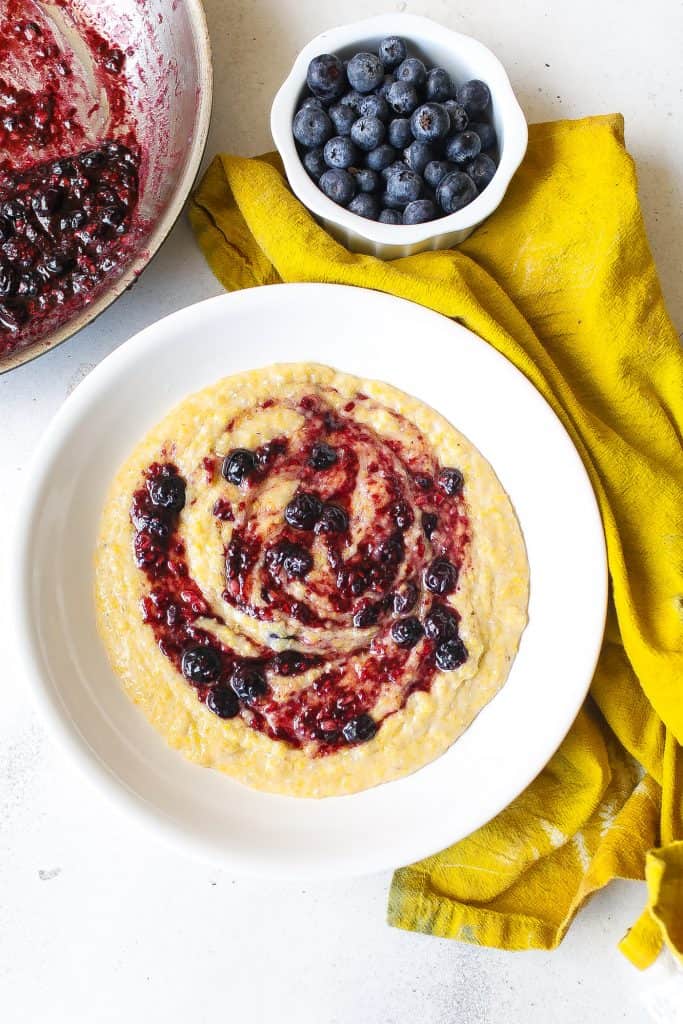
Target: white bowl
{"points": [[464, 58], [52, 578]]}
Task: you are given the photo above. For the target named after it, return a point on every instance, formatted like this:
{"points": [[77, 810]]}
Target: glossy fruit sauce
{"points": [[362, 558], [69, 163]]}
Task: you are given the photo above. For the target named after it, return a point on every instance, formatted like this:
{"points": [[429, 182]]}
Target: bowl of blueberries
{"points": [[398, 134]]}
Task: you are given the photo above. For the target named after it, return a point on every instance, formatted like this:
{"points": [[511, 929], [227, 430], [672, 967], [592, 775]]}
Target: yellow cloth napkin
{"points": [[561, 281]]}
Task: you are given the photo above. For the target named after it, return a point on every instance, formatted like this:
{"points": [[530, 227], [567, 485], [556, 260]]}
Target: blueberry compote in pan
{"points": [[69, 162], [310, 581]]}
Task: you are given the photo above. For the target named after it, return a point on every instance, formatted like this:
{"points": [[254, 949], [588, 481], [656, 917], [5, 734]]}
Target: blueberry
{"points": [[333, 519], [58, 264], [450, 481], [481, 170], [223, 702], [325, 77], [366, 616], [168, 492], [312, 127], [201, 665], [439, 85], [406, 632], [441, 576], [405, 599], [436, 170], [312, 101], [248, 682], [413, 71], [400, 134], [12, 316], [380, 157], [486, 133], [359, 730], [375, 106], [392, 52], [303, 511], [403, 97], [365, 72], [368, 132], [391, 203], [455, 191], [290, 663], [383, 89], [417, 155], [420, 211], [398, 165], [365, 205], [430, 122], [323, 456], [366, 179], [391, 551], [441, 622], [474, 96], [340, 152], [352, 99], [451, 654], [390, 217], [404, 186], [238, 466], [342, 117], [297, 561], [338, 186], [430, 521], [457, 116], [463, 147], [314, 162]]}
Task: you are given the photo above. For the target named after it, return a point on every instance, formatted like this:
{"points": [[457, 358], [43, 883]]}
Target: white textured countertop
{"points": [[100, 923]]}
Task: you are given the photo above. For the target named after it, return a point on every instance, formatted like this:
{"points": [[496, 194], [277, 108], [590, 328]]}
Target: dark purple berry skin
{"points": [[441, 623], [403, 98], [457, 115], [405, 186], [365, 72], [338, 185], [314, 162], [342, 117], [455, 191], [238, 466], [323, 456], [381, 157], [249, 682], [462, 147], [333, 519], [366, 179], [406, 632], [439, 85], [474, 96], [366, 617], [223, 702], [450, 481], [325, 77], [303, 511], [430, 122], [420, 211], [365, 205], [417, 155], [430, 521], [168, 492], [436, 171], [399, 133], [451, 654], [359, 730], [441, 576], [368, 133], [390, 217], [340, 152], [487, 134], [375, 105], [201, 665], [481, 170], [392, 52], [312, 127], [405, 599], [412, 71]]}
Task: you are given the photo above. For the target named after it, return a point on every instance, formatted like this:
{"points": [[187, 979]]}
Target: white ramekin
{"points": [[464, 58]]}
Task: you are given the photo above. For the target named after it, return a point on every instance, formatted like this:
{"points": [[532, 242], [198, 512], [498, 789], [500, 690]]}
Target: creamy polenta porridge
{"points": [[309, 581]]}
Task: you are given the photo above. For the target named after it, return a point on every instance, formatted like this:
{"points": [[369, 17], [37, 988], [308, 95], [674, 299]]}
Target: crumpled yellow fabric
{"points": [[561, 281]]}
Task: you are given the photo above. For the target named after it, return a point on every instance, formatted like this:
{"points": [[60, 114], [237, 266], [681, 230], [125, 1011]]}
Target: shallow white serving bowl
{"points": [[464, 58], [51, 579]]}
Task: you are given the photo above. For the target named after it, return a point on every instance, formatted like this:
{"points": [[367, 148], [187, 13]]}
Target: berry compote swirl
{"points": [[340, 548]]}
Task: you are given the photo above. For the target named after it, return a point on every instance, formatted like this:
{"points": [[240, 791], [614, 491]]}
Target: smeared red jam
{"points": [[66, 203], [354, 573]]}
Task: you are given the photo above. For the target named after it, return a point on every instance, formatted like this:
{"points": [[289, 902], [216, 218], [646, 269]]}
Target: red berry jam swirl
{"points": [[352, 575], [66, 202]]}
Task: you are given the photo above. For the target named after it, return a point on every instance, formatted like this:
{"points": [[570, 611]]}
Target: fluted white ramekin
{"points": [[464, 58]]}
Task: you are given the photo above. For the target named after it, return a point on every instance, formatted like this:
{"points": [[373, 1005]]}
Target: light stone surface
{"points": [[100, 923]]}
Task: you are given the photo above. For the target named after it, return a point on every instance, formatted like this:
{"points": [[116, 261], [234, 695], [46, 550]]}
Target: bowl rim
{"points": [[164, 225], [422, 30]]}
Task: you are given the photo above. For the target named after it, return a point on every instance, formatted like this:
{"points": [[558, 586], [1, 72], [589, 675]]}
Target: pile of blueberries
{"points": [[392, 140]]}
